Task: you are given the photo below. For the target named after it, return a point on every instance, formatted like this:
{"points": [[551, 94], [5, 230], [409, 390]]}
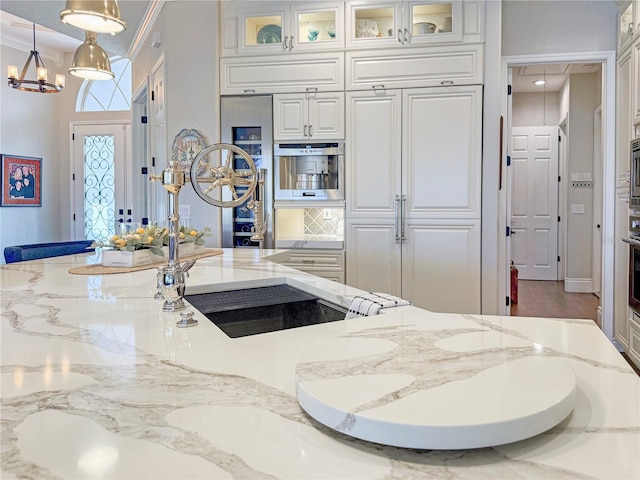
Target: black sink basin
{"points": [[252, 311]]}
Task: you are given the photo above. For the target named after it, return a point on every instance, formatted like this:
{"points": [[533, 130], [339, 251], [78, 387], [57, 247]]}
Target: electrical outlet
{"points": [[326, 213], [185, 212]]}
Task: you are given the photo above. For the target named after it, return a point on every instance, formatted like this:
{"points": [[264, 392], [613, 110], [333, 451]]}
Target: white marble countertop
{"points": [[97, 382]]}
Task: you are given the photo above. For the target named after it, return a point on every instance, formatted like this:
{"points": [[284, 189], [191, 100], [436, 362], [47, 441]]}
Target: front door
{"points": [[534, 202], [102, 192]]}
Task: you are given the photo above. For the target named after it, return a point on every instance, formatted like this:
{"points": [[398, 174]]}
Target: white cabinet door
{"points": [[621, 266], [442, 152], [289, 116], [373, 257], [636, 82], [326, 116], [310, 116], [441, 265], [624, 115], [374, 149]]}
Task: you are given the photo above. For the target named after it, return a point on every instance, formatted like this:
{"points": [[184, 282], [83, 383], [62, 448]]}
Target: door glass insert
{"points": [[374, 22], [263, 30], [316, 27], [99, 187], [431, 19]]}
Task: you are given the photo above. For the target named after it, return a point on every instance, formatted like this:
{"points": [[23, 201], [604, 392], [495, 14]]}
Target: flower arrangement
{"points": [[152, 237]]}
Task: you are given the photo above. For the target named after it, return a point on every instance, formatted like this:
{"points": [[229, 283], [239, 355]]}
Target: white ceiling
{"points": [[555, 75], [46, 13]]}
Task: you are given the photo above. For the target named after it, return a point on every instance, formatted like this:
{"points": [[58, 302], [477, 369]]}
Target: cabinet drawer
{"points": [[309, 261], [433, 66], [290, 74]]}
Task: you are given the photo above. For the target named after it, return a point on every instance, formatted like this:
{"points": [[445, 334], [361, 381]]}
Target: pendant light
{"points": [[90, 61], [101, 16], [42, 84]]}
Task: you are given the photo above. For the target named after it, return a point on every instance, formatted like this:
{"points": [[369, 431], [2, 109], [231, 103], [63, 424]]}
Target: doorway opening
{"points": [[555, 196]]}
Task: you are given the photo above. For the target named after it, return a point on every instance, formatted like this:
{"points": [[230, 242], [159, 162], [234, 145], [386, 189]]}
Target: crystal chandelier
{"points": [[42, 84]]}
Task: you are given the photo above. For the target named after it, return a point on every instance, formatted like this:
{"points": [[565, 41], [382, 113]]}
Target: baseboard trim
{"points": [[578, 285]]}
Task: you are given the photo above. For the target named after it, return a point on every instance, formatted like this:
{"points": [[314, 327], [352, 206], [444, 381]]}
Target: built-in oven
{"points": [[309, 171], [634, 184], [634, 262]]}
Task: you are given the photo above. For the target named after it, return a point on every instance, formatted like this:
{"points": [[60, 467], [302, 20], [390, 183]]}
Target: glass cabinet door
{"points": [[374, 24], [263, 30], [318, 28], [626, 26], [432, 21]]}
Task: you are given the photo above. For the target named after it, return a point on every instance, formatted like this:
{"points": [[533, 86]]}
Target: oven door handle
{"points": [[631, 241]]}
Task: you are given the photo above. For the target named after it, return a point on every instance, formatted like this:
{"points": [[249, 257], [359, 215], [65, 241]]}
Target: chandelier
{"points": [[97, 16], [90, 61], [42, 84]]}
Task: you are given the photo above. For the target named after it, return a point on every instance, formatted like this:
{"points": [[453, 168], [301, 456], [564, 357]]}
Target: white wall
{"points": [[535, 109], [190, 46], [29, 126], [558, 26], [583, 99]]}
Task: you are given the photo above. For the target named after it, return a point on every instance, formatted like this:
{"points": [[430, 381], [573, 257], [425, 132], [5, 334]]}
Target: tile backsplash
{"points": [[323, 221]]}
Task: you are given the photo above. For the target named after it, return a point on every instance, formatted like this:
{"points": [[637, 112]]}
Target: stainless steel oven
{"points": [[634, 262], [634, 184], [309, 171]]}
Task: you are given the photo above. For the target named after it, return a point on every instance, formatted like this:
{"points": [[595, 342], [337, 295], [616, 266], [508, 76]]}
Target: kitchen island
{"points": [[98, 382]]}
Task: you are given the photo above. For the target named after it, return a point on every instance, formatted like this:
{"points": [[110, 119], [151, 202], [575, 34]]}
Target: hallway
{"points": [[541, 298]]}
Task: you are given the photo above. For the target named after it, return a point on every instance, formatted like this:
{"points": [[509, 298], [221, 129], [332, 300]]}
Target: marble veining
{"points": [[97, 382]]}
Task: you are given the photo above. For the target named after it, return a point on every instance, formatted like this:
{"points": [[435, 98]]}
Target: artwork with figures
{"points": [[21, 181]]}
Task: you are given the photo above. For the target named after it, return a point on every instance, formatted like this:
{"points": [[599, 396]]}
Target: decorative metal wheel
{"points": [[213, 168]]}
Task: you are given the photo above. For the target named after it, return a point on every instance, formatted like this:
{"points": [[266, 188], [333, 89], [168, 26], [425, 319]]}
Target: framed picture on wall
{"points": [[21, 181]]}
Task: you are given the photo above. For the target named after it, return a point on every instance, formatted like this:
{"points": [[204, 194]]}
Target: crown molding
{"points": [[145, 27]]}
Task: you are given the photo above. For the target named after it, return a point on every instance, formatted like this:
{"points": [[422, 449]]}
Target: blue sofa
{"points": [[20, 253]]}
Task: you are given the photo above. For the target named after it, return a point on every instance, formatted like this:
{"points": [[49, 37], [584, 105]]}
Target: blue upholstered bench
{"points": [[20, 253]]}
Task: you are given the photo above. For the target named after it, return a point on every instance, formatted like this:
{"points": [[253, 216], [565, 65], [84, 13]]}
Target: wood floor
{"points": [[537, 298]]}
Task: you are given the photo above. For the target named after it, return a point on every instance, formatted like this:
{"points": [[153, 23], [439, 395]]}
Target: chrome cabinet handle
{"points": [[407, 36], [284, 43], [396, 210], [307, 260], [402, 215], [310, 131], [399, 35], [305, 130], [291, 43]]}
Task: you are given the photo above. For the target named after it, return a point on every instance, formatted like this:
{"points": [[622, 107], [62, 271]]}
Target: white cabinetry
{"points": [[635, 84], [418, 67], [308, 116], [413, 195], [327, 264], [280, 74], [634, 339], [255, 27], [381, 24]]}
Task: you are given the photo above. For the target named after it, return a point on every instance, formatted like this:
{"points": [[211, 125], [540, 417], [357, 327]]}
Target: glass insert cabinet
{"points": [[379, 24], [265, 27], [285, 27]]}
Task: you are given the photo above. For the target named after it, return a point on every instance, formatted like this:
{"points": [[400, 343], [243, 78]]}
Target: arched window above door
{"points": [[107, 95]]}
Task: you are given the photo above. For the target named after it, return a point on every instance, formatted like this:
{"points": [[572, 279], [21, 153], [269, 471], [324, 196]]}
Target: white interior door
{"points": [[102, 179], [534, 202]]}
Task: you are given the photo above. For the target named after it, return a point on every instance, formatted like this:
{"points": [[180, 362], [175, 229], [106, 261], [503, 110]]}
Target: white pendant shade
{"points": [[101, 16], [90, 61]]}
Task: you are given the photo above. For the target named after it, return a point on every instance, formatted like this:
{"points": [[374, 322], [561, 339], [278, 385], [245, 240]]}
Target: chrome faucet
{"points": [[257, 205], [171, 277]]}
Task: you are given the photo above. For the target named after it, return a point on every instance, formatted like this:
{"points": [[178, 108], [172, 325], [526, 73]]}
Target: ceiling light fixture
{"points": [[90, 61], [539, 82], [101, 16], [42, 84]]}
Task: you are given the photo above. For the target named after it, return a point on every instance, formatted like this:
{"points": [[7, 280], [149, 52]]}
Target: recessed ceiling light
{"points": [[539, 82]]}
